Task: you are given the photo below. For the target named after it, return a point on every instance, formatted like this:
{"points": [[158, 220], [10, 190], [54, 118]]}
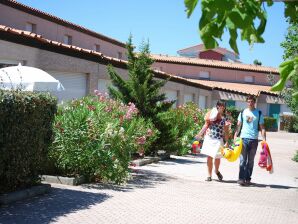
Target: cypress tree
{"points": [[141, 88]]}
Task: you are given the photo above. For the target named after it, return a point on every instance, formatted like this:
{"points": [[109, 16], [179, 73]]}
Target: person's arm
{"points": [[262, 127], [202, 131], [263, 131], [237, 129], [227, 133]]}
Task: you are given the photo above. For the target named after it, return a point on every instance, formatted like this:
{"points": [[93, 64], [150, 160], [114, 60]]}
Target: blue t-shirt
{"points": [[250, 127]]}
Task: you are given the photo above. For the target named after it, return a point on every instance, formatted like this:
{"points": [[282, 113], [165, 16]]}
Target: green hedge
{"points": [[270, 123], [26, 132]]}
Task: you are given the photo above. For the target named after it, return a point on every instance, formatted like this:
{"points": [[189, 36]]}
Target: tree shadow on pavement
{"points": [[139, 179], [47, 208]]}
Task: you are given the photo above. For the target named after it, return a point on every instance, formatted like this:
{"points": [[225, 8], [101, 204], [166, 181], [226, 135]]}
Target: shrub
{"points": [[295, 158], [96, 136], [270, 123], [26, 132], [182, 124], [232, 114], [289, 122]]}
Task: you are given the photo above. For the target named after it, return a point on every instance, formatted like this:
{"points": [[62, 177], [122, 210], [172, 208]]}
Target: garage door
{"points": [[75, 85]]}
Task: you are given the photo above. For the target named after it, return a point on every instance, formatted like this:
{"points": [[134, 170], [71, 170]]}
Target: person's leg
{"points": [[216, 165], [250, 159], [243, 161], [209, 167]]}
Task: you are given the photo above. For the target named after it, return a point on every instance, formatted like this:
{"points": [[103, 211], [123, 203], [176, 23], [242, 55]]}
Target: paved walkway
{"points": [[174, 191]]}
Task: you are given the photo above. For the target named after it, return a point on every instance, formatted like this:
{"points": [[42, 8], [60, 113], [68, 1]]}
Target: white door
{"points": [[75, 85]]}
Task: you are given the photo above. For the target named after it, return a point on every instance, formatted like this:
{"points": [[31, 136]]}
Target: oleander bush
{"points": [[183, 123], [96, 137], [289, 123], [26, 120]]}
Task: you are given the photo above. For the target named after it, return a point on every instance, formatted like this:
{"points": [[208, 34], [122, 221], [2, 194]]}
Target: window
{"points": [[96, 47], [119, 55], [204, 75], [249, 79], [31, 27], [67, 39], [202, 102]]}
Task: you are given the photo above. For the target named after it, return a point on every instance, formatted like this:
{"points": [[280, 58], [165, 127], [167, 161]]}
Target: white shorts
{"points": [[211, 147]]}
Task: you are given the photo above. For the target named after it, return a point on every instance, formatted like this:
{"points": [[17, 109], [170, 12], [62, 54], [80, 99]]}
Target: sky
{"points": [[163, 23]]}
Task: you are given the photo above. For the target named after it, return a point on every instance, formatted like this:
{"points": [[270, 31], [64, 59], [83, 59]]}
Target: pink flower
{"points": [[96, 92], [141, 140], [149, 132], [91, 107]]}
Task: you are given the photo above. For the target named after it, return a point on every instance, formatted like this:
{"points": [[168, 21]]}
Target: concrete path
{"points": [[174, 191]]}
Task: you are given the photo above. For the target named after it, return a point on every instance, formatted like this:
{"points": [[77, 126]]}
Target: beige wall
{"points": [[17, 19], [216, 74]]}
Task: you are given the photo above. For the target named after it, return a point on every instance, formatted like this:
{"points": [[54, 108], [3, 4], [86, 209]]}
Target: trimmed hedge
{"points": [[270, 124], [26, 120]]}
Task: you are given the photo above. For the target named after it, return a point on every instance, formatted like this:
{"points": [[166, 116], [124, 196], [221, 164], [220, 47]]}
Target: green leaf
{"points": [[262, 26], [279, 85], [237, 18], [233, 39], [285, 68], [291, 11], [190, 6]]}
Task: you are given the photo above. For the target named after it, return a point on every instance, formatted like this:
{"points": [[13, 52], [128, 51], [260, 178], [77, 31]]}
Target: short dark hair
{"points": [[251, 97], [220, 103]]}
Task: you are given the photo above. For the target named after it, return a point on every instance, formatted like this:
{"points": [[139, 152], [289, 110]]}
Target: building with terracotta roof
{"points": [[78, 57], [230, 81], [218, 53]]}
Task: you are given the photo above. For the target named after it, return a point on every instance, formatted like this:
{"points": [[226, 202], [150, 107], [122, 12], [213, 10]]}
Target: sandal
{"points": [[219, 176], [208, 179]]}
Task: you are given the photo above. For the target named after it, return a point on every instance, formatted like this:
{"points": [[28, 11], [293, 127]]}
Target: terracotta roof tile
{"points": [[213, 63], [236, 87]]}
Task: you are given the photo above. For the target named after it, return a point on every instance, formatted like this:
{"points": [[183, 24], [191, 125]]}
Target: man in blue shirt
{"points": [[249, 122]]}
